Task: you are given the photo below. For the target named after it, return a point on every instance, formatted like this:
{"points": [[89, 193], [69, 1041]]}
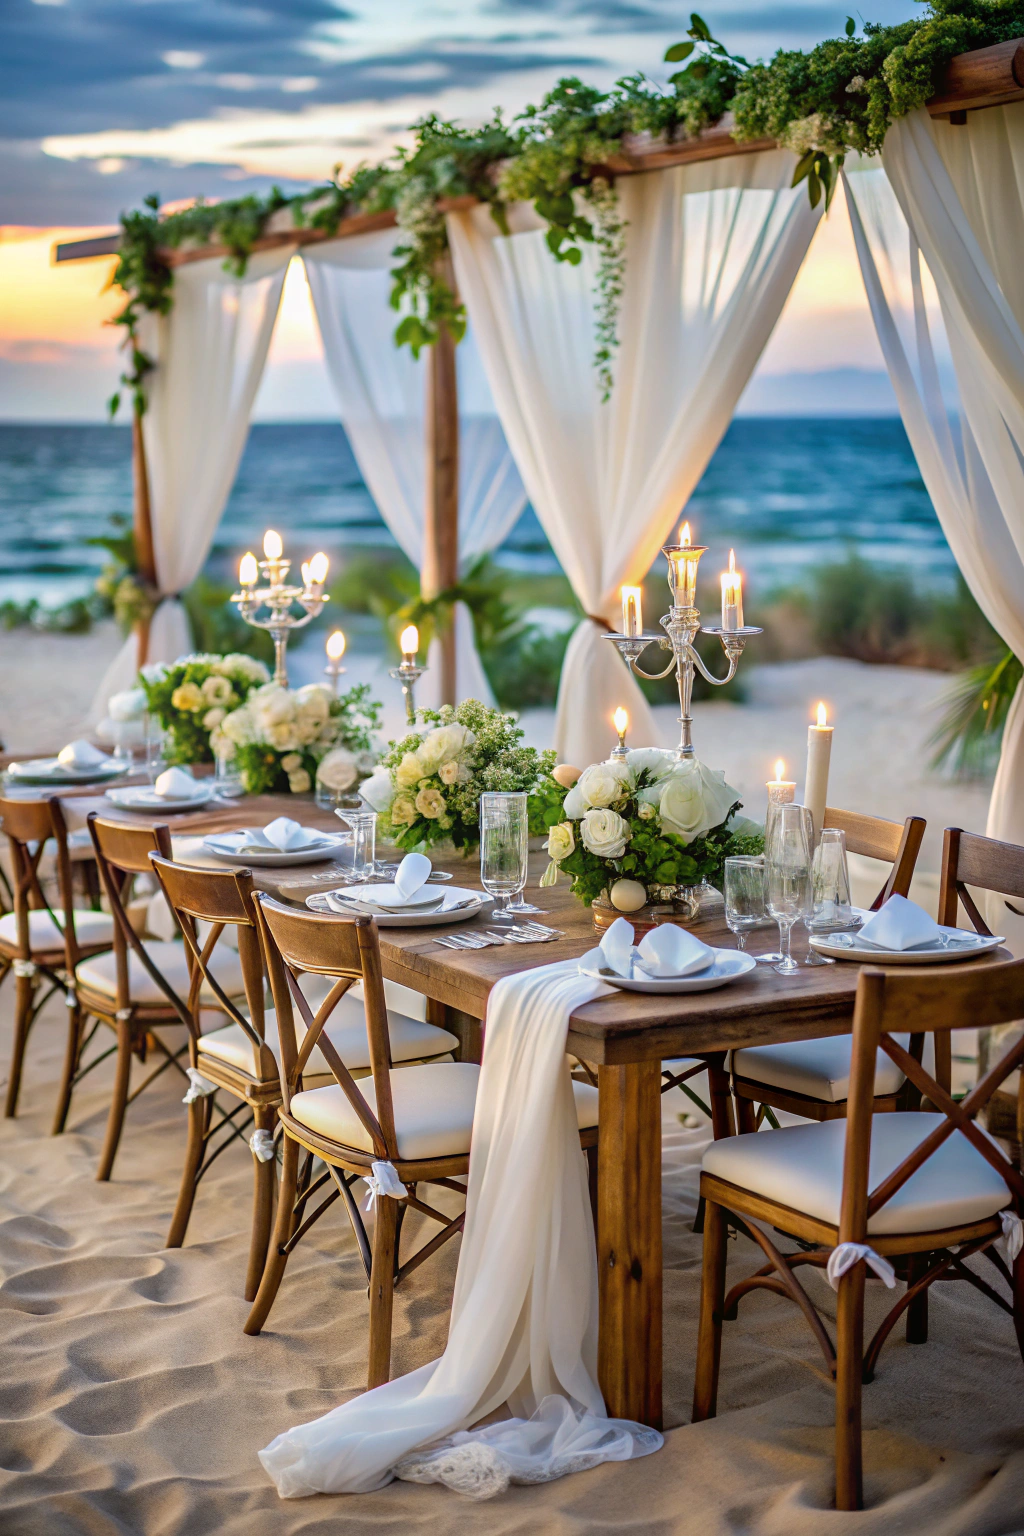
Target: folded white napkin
{"points": [[670, 951], [176, 784], [617, 947], [81, 754], [411, 875], [285, 834], [900, 924]]}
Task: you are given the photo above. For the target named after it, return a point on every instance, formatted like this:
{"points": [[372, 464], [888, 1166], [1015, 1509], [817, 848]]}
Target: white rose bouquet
{"points": [[282, 738], [647, 821], [192, 696], [427, 788]]}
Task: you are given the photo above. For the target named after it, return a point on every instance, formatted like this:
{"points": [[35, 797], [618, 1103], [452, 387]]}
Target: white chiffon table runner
{"points": [[525, 1313]]}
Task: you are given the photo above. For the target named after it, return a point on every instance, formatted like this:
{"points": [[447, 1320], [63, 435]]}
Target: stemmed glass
{"points": [[744, 898], [504, 829], [788, 876]]}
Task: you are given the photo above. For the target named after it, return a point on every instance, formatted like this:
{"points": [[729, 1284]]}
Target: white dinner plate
{"points": [[460, 905], [47, 770], [385, 897], [931, 954], [147, 799], [325, 847], [728, 965]]}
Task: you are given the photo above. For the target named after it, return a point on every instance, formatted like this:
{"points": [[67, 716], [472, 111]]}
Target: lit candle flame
{"points": [[318, 568], [621, 719], [780, 768], [822, 716], [684, 534], [732, 562], [335, 646], [409, 641], [248, 570], [307, 575], [273, 548]]}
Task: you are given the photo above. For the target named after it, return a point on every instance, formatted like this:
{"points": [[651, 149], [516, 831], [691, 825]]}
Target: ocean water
{"points": [[788, 494]]}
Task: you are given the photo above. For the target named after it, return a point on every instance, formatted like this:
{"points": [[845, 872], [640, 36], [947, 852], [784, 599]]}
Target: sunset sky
{"points": [[105, 101]]}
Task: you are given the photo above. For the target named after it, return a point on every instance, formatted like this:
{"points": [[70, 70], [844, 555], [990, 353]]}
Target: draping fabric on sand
{"points": [[210, 351], [712, 251], [381, 394], [524, 1318], [132, 1401], [939, 234]]}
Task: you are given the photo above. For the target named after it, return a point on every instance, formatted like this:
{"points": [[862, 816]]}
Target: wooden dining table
{"points": [[622, 1038]]}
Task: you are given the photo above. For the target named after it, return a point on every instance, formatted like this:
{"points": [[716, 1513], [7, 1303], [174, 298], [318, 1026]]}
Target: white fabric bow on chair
{"points": [[262, 1145], [846, 1255], [199, 1086], [384, 1180], [1012, 1240]]}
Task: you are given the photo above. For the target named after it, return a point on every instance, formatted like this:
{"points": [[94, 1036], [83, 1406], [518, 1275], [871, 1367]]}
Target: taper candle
{"points": [[819, 752], [632, 611], [732, 596]]}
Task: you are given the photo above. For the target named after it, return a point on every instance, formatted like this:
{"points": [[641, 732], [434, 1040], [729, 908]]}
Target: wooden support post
{"points": [[143, 526], [441, 526], [629, 1240]]}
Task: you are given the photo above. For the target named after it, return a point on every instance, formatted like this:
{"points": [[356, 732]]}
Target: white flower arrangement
{"points": [[286, 737]]}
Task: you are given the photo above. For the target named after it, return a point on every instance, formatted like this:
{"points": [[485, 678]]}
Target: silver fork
{"points": [[465, 941]]}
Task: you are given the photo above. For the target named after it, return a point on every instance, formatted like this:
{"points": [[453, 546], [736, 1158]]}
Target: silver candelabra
{"points": [[681, 625], [409, 671], [278, 597]]}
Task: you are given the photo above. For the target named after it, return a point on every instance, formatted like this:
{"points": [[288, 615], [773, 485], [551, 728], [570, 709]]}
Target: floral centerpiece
{"points": [[636, 830], [284, 738], [192, 696], [427, 786]]}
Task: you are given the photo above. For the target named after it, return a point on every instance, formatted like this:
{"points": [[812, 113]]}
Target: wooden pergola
{"points": [[986, 77]]}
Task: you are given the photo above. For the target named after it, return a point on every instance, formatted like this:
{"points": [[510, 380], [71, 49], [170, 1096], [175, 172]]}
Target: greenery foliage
{"points": [[837, 97], [970, 733], [191, 697]]}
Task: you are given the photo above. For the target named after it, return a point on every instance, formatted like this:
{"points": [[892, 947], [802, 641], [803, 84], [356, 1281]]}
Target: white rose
{"points": [[410, 770], [338, 770], [271, 705], [604, 833], [430, 803], [656, 760], [239, 726], [314, 699], [602, 783], [694, 799], [283, 736], [574, 804], [291, 761], [561, 842], [448, 773], [378, 791], [443, 743], [129, 705], [299, 782], [403, 811], [213, 718], [217, 690]]}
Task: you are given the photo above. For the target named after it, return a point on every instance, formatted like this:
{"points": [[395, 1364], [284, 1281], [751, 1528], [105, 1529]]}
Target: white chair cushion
{"points": [[100, 974], [410, 1039], [44, 935], [802, 1166], [820, 1069], [433, 1105]]}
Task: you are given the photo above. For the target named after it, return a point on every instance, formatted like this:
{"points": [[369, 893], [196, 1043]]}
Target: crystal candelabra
{"points": [[681, 625], [278, 597], [409, 671]]}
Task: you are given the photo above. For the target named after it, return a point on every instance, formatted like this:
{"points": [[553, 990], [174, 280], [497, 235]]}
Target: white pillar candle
{"points": [[819, 751], [632, 611], [780, 792], [732, 596]]}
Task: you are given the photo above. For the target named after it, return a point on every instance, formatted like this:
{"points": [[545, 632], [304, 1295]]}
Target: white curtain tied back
{"points": [[524, 1316], [939, 234], [380, 391], [713, 250], [210, 353]]}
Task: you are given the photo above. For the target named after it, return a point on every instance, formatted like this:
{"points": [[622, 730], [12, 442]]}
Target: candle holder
{"points": [[334, 668], [279, 598], [408, 673], [681, 625]]}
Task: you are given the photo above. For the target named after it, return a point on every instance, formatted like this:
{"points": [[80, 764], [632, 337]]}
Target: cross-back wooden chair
{"points": [[988, 865], [925, 1191], [42, 943], [141, 985], [811, 1077], [233, 1057], [407, 1127]]}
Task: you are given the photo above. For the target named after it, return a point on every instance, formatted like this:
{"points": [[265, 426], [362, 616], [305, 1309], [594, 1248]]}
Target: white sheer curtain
{"points": [[210, 353], [380, 390], [712, 252], [944, 223]]}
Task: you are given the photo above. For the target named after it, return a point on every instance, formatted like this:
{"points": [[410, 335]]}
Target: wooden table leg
{"points": [[470, 1031], [629, 1240]]}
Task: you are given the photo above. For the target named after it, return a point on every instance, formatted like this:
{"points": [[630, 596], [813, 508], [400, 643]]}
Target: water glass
{"points": [[155, 746], [363, 823], [227, 779], [744, 896], [788, 881], [832, 906], [504, 830]]}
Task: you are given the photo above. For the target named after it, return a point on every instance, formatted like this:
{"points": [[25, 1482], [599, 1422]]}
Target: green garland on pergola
{"points": [[840, 96]]}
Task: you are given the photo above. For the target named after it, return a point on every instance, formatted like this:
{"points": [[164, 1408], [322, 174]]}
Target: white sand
{"points": [[133, 1405]]}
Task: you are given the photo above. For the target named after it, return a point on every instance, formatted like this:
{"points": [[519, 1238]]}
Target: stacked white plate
{"points": [[954, 946], [427, 908], [143, 797], [726, 966], [47, 770], [239, 848]]}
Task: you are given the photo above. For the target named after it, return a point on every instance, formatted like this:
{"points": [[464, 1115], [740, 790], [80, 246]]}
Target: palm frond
{"points": [[970, 732]]}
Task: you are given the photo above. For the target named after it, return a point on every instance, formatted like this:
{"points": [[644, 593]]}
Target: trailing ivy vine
{"points": [[838, 97]]}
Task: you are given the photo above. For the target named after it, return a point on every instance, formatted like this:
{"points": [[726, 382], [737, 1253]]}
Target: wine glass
{"points": [[744, 896], [788, 876], [504, 828], [363, 824]]}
